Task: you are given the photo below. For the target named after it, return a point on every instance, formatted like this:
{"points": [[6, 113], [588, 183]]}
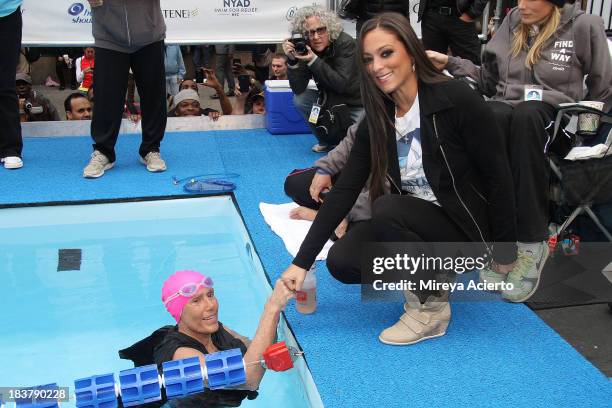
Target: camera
{"points": [[299, 43], [31, 109]]}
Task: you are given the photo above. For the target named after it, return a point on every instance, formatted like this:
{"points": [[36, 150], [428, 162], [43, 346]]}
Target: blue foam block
{"points": [[183, 377], [225, 369], [97, 391], [140, 385], [38, 402]]}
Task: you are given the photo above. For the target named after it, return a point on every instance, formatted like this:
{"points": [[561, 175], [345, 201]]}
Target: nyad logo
{"points": [[236, 8], [80, 14]]}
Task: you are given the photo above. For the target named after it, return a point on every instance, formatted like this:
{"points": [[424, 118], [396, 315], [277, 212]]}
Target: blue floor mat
{"points": [[495, 354]]}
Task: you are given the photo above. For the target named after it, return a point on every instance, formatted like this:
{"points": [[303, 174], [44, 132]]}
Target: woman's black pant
{"points": [[395, 218], [297, 186], [526, 128]]}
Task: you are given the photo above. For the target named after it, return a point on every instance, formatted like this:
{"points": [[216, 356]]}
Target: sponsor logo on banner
{"points": [[79, 13], [180, 13], [236, 8], [291, 13]]}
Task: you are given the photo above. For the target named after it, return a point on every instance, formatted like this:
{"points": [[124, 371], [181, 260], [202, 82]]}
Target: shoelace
{"points": [[98, 158], [154, 155], [525, 262]]}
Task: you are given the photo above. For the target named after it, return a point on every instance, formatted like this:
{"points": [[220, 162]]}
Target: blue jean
{"points": [[304, 101]]}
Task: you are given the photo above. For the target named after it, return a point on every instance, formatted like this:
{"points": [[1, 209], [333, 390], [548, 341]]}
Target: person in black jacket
{"points": [[450, 23], [329, 60], [369, 8], [437, 143]]}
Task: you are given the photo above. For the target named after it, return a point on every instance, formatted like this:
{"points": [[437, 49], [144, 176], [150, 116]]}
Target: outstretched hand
{"points": [[280, 295], [294, 277], [211, 79]]}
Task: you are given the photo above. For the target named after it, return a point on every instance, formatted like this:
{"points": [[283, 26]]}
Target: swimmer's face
{"points": [[200, 313]]}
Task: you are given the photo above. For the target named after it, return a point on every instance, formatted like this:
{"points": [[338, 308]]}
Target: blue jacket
{"points": [[174, 61], [9, 6]]}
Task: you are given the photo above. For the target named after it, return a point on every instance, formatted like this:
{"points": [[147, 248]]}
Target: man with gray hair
{"points": [[325, 53]]}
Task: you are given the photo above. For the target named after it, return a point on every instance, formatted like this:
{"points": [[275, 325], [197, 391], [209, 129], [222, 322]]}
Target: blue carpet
{"points": [[495, 354]]}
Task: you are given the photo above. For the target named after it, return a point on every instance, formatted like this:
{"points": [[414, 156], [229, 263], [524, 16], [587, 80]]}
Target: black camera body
{"points": [[299, 43]]}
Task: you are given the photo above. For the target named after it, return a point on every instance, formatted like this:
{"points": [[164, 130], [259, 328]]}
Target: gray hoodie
{"points": [[127, 25], [334, 162], [577, 49]]}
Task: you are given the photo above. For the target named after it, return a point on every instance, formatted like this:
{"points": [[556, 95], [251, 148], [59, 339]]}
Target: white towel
{"points": [[292, 232]]}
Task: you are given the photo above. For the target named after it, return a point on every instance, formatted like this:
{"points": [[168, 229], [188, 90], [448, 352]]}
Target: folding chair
{"points": [[583, 183]]}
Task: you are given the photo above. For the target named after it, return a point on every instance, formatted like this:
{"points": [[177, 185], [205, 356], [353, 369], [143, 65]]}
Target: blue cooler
{"points": [[281, 115]]}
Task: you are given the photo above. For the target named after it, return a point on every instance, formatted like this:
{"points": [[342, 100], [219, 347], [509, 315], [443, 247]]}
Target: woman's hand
{"points": [[293, 277], [319, 183], [280, 296], [438, 59]]}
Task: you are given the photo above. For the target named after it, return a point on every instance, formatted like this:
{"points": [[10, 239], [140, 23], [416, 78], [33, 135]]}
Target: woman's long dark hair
{"points": [[373, 98]]}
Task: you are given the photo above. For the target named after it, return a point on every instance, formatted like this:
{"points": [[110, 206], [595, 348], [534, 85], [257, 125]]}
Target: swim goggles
{"points": [[190, 289]]}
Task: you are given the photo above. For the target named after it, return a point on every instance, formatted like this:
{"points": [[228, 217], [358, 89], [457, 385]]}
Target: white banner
{"points": [[68, 22]]}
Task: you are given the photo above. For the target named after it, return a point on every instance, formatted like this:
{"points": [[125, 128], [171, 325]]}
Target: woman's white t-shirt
{"points": [[410, 156]]}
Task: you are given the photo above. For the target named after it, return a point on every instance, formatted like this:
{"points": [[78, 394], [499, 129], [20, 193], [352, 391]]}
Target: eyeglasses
{"points": [[190, 289], [318, 31]]}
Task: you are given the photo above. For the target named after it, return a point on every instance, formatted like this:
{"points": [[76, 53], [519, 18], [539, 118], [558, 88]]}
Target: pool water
{"points": [[65, 319]]}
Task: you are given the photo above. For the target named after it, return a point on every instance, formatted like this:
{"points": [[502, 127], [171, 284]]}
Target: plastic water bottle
{"points": [[306, 299]]}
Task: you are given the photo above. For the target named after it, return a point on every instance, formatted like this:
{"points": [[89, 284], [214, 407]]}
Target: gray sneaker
{"points": [[97, 165], [154, 162], [489, 276], [525, 277]]}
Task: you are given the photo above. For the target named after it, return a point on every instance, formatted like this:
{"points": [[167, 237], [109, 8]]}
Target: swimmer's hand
{"points": [[280, 296], [294, 277]]}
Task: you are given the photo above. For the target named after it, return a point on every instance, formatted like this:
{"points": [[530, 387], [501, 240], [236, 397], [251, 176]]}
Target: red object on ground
{"points": [[277, 357]]}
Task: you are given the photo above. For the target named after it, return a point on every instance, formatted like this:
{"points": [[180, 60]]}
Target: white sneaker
{"points": [[12, 162], [97, 165], [154, 162]]}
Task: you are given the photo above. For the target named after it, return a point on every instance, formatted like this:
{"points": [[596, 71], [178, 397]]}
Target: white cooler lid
{"points": [[282, 85]]}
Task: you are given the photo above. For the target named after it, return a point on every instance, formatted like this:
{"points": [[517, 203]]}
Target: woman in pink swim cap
{"points": [[189, 297]]}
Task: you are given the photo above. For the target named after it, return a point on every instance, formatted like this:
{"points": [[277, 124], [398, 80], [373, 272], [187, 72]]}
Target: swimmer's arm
{"points": [[266, 332]]}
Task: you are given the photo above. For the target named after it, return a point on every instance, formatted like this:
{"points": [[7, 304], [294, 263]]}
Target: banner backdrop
{"points": [[68, 22]]}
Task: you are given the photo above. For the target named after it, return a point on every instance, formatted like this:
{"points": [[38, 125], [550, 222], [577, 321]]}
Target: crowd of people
{"points": [[414, 155]]}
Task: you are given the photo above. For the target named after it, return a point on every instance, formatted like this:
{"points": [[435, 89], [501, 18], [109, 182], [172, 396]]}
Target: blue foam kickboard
{"points": [[494, 354]]}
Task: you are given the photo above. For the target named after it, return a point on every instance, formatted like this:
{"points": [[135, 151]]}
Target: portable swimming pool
{"points": [[80, 282]]}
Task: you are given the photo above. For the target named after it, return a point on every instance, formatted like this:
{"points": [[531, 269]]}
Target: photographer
{"points": [[327, 55], [33, 106]]}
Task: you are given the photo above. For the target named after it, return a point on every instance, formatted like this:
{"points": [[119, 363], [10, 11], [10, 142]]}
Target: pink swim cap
{"points": [[174, 283]]}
